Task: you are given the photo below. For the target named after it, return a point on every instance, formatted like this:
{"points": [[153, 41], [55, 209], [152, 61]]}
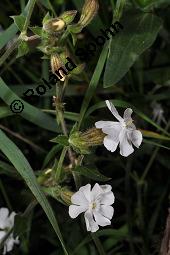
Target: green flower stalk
{"points": [[82, 142]]}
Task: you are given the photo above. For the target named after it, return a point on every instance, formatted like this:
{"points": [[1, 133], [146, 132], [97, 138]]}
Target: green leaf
{"points": [[91, 173], [61, 139], [21, 164], [23, 49], [52, 153], [36, 30], [139, 33], [93, 83], [155, 135], [156, 144], [19, 20], [4, 112], [10, 32], [30, 112]]}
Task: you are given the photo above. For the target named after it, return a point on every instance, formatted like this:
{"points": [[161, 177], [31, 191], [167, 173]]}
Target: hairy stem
{"points": [[28, 17]]}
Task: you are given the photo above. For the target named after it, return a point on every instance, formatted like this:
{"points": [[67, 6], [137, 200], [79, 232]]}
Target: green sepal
{"points": [[68, 16], [23, 49], [46, 18], [61, 139]]}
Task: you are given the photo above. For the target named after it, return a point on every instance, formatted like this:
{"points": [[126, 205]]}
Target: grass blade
{"points": [[19, 161]]}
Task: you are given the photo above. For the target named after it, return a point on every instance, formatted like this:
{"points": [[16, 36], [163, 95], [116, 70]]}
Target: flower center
{"points": [[93, 205], [128, 123]]}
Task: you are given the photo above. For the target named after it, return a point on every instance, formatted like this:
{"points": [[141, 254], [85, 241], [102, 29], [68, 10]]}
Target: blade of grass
{"points": [[21, 164], [30, 112], [93, 83]]}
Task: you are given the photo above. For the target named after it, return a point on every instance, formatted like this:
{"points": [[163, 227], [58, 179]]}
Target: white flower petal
{"points": [[102, 124], [100, 219], [10, 243], [136, 138], [127, 114], [2, 235], [106, 187], [113, 131], [113, 110], [96, 191], [75, 210], [126, 147], [78, 198], [91, 225], [4, 212], [107, 211], [11, 219], [107, 198], [110, 144], [86, 190]]}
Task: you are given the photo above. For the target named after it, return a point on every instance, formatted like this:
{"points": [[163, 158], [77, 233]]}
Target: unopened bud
{"points": [[89, 10], [83, 141], [57, 67], [54, 25], [68, 16], [66, 195]]}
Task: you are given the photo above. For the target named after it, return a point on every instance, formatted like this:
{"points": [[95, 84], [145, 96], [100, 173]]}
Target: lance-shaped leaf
{"points": [[91, 173], [139, 33]]}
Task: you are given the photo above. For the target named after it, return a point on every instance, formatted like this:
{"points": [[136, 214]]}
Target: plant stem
{"points": [[152, 158], [60, 164], [98, 244], [5, 196], [30, 10]]}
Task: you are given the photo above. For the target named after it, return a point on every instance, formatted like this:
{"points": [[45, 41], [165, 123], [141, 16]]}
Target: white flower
{"points": [[6, 224], [96, 204], [122, 132], [158, 113]]}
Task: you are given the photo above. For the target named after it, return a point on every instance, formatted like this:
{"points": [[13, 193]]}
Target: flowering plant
{"points": [[84, 153]]}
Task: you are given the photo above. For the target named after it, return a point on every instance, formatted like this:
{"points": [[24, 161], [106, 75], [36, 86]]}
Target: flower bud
{"points": [[54, 25], [56, 64], [82, 141], [89, 10], [68, 16], [66, 195]]}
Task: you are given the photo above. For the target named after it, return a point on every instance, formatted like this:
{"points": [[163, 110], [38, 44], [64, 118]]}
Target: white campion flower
{"points": [[122, 132], [158, 113], [6, 224], [96, 205]]}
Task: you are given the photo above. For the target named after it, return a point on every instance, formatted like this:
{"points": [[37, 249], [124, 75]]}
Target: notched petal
{"points": [[101, 220], [113, 110], [75, 210], [91, 225], [110, 144], [136, 138]]}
